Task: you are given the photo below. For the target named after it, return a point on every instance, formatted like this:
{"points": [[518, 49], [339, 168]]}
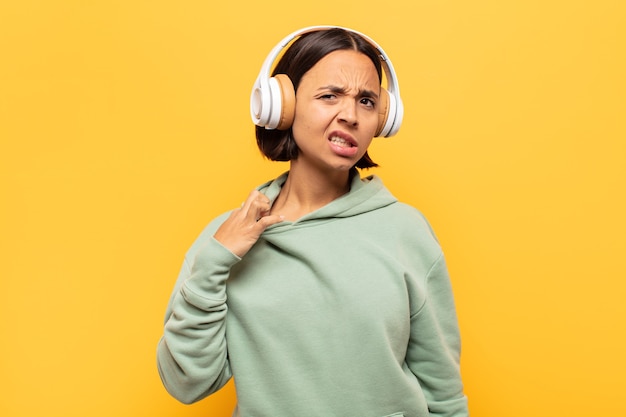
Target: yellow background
{"points": [[124, 129]]}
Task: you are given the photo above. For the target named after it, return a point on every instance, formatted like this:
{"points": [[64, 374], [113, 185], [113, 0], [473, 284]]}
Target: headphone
{"points": [[273, 99]]}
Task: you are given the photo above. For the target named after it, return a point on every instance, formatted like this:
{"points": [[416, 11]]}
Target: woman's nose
{"points": [[348, 113]]}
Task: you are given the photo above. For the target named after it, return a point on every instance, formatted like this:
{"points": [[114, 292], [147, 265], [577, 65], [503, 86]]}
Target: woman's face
{"points": [[336, 111]]}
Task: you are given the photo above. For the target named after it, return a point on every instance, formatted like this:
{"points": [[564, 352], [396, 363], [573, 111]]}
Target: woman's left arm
{"points": [[434, 348]]}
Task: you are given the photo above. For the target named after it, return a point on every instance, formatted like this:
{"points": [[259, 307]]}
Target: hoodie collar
{"points": [[366, 194]]}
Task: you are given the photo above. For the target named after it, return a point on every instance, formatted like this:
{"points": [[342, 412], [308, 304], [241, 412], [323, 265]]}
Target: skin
{"points": [[336, 98]]}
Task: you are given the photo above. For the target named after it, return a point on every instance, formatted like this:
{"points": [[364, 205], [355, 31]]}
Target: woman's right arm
{"points": [[192, 356]]}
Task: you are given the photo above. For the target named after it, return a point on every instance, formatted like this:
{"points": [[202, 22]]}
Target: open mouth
{"points": [[342, 142]]}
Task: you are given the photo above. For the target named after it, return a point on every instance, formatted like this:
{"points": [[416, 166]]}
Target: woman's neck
{"points": [[305, 191]]}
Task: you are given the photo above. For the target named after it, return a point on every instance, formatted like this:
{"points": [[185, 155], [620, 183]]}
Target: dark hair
{"points": [[298, 59]]}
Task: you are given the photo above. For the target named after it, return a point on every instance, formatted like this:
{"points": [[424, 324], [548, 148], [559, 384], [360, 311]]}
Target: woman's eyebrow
{"points": [[341, 90]]}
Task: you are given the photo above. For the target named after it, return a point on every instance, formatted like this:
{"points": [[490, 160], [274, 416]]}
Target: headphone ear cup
{"points": [[260, 103], [396, 113], [383, 111], [288, 101]]}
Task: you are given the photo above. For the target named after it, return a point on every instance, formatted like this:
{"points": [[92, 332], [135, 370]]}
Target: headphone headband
{"points": [[263, 106]]}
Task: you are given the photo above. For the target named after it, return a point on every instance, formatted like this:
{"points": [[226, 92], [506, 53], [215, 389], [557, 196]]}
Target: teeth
{"points": [[340, 141]]}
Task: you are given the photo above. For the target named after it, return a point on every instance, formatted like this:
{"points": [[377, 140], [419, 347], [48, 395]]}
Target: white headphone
{"points": [[272, 102]]}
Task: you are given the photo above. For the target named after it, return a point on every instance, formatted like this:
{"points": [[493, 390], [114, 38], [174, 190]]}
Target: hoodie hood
{"points": [[365, 195]]}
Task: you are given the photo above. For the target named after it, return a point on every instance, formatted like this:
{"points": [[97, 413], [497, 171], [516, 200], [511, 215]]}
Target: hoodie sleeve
{"points": [[191, 356], [434, 348]]}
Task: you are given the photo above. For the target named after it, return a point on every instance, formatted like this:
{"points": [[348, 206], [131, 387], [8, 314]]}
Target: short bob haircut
{"points": [[300, 57]]}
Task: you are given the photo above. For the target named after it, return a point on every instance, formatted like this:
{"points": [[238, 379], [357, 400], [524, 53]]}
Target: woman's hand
{"points": [[244, 225]]}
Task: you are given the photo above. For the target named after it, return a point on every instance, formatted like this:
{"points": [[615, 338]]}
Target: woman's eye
{"points": [[368, 102]]}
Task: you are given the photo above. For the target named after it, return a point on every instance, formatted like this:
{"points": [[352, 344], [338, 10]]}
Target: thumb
{"points": [[267, 221]]}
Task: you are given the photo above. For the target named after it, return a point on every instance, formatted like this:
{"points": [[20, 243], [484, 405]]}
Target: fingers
{"points": [[267, 221], [246, 224], [256, 206]]}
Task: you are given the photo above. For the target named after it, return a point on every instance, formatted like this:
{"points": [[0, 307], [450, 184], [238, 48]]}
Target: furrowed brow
{"points": [[341, 90], [367, 93], [333, 89]]}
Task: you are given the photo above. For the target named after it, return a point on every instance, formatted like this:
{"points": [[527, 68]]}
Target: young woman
{"points": [[322, 295]]}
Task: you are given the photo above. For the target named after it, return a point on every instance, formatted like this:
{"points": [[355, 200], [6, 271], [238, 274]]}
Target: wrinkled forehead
{"points": [[346, 69]]}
